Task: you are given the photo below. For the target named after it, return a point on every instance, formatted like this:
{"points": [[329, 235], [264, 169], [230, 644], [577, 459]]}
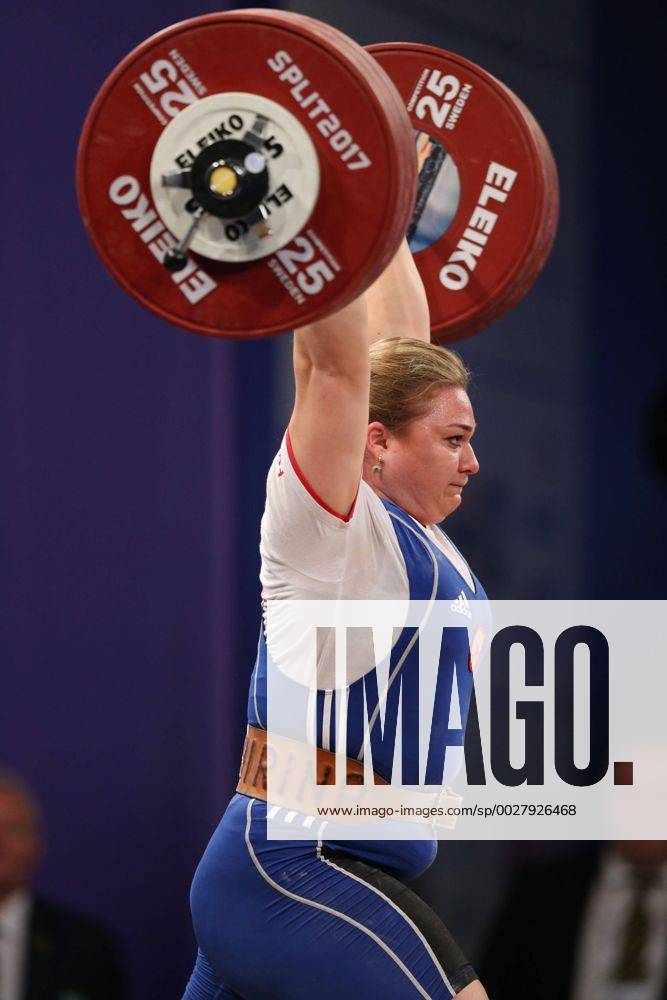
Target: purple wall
{"points": [[122, 463], [628, 364]]}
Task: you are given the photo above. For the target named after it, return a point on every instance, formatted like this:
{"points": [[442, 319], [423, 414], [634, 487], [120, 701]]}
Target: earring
{"points": [[377, 468]]}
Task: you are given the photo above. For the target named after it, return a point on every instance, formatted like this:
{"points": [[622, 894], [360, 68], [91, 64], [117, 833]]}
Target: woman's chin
{"points": [[453, 503]]}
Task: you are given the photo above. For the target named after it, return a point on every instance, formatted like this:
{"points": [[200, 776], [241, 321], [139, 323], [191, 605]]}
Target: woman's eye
{"points": [[456, 439]]}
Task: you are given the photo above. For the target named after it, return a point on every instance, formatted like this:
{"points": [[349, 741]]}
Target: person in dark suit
{"points": [[592, 926], [47, 952]]}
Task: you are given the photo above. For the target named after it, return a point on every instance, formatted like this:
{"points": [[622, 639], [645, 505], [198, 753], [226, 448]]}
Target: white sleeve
{"points": [[301, 536], [310, 552]]}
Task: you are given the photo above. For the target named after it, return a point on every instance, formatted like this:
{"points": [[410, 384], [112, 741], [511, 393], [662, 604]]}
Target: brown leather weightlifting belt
{"points": [[293, 763], [298, 770]]}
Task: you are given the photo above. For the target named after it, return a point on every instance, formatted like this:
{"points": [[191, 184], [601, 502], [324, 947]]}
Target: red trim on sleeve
{"points": [[304, 482]]}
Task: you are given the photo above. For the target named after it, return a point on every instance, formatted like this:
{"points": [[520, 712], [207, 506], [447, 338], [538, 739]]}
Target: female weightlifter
{"points": [[377, 453]]}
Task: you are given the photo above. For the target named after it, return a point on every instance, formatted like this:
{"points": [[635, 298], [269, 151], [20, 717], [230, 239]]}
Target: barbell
{"points": [[244, 173]]}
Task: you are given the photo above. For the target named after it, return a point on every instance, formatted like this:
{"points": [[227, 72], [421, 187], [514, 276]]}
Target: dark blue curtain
{"points": [[627, 377]]}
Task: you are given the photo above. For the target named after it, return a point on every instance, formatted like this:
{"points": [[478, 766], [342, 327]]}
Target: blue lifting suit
{"points": [[302, 919]]}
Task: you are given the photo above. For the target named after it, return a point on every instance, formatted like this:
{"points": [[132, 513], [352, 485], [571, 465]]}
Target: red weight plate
{"points": [[394, 225], [322, 79], [487, 204], [536, 261], [405, 153]]}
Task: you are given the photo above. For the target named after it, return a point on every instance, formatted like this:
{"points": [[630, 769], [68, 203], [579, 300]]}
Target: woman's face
{"points": [[426, 466]]}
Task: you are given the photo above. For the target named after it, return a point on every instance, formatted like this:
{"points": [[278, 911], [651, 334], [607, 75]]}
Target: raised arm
{"points": [[332, 371], [397, 305]]}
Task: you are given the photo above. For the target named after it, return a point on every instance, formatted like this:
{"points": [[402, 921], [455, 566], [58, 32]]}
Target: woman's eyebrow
{"points": [[465, 427]]}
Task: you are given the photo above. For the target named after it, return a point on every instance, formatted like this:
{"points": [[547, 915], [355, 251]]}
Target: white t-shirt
{"points": [[310, 552], [14, 921]]}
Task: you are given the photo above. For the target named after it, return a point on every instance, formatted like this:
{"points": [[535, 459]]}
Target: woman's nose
{"points": [[469, 463]]}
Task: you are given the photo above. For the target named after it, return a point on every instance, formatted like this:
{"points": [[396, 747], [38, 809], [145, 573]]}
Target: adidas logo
{"points": [[461, 605]]}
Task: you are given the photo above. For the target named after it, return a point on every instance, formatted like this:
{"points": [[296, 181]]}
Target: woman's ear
{"points": [[376, 436]]}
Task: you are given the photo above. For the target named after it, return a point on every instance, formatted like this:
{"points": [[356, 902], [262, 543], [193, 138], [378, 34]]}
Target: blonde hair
{"points": [[405, 374]]}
